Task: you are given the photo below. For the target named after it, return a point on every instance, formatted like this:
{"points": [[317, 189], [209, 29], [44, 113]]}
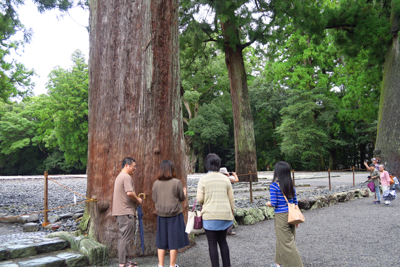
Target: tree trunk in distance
{"points": [[134, 107], [387, 146], [362, 148], [201, 160], [245, 145], [191, 155]]}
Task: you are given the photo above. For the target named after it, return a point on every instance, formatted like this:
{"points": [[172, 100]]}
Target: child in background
{"points": [[385, 181], [396, 183]]}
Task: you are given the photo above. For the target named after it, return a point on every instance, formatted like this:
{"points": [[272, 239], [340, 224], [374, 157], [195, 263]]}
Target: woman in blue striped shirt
{"points": [[286, 252]]}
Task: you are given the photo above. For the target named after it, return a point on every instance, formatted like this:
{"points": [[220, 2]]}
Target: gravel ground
{"points": [[22, 196], [26, 195], [355, 233]]}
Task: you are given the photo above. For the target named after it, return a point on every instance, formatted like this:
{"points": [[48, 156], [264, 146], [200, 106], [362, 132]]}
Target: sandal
{"points": [[131, 264]]}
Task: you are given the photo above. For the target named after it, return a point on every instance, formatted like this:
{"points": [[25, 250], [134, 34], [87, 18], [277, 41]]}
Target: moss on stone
{"points": [[83, 225], [96, 252]]}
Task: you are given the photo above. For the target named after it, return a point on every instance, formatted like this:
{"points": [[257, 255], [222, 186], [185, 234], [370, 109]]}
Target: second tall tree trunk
{"points": [[387, 145], [245, 146]]}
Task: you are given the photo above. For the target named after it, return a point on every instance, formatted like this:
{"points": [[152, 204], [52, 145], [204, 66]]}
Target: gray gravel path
{"points": [[356, 233]]}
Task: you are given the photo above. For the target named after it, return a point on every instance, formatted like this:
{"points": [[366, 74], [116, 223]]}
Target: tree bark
{"points": [[331, 161], [201, 160], [134, 107], [191, 155], [388, 135], [362, 148], [245, 145], [190, 150]]}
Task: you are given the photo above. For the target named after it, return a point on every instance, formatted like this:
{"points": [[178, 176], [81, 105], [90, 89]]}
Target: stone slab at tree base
{"points": [[50, 251], [4, 254], [67, 257], [96, 252], [30, 247], [74, 240]]}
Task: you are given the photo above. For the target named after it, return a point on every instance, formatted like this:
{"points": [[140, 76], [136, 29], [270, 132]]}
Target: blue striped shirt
{"points": [[277, 199]]}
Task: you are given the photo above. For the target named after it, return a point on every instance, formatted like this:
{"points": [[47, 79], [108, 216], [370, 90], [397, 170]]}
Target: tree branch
{"points": [[256, 2], [243, 46], [342, 27], [209, 40]]}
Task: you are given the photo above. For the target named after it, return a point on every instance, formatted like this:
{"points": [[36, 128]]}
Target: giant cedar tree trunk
{"points": [[134, 106], [387, 145], [245, 145]]}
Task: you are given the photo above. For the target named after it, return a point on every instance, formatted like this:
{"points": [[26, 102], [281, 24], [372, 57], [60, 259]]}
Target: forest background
{"points": [[314, 97]]}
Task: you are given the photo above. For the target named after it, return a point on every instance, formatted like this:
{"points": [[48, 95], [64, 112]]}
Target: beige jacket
{"points": [[214, 191]]}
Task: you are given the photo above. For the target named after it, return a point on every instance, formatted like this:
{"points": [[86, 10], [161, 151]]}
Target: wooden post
{"points": [[251, 188], [46, 206], [294, 184], [329, 178], [354, 178]]}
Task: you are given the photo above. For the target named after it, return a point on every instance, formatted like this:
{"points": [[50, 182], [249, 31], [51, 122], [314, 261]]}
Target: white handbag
{"points": [[190, 222]]}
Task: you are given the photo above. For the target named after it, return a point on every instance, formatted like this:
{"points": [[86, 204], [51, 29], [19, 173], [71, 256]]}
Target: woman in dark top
{"points": [[168, 193], [286, 252]]}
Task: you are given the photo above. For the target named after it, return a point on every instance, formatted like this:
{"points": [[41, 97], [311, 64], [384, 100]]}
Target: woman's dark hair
{"points": [[166, 171], [212, 162], [127, 160], [282, 175]]}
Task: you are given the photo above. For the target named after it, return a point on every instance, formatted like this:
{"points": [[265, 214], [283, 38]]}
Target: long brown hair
{"points": [[166, 171]]}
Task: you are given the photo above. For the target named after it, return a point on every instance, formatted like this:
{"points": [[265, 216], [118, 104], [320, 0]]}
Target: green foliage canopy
{"points": [[67, 111], [14, 77]]}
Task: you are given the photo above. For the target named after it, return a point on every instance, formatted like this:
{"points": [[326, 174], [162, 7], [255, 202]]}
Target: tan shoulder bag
{"points": [[294, 216]]}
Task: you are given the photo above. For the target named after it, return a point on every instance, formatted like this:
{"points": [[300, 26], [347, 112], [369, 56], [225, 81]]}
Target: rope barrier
{"points": [[68, 189], [87, 200], [324, 171], [36, 212], [95, 200], [245, 174]]}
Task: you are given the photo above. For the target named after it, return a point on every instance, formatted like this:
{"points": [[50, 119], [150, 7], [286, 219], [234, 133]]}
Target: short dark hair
{"points": [[212, 162], [166, 171], [282, 175], [127, 160]]}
